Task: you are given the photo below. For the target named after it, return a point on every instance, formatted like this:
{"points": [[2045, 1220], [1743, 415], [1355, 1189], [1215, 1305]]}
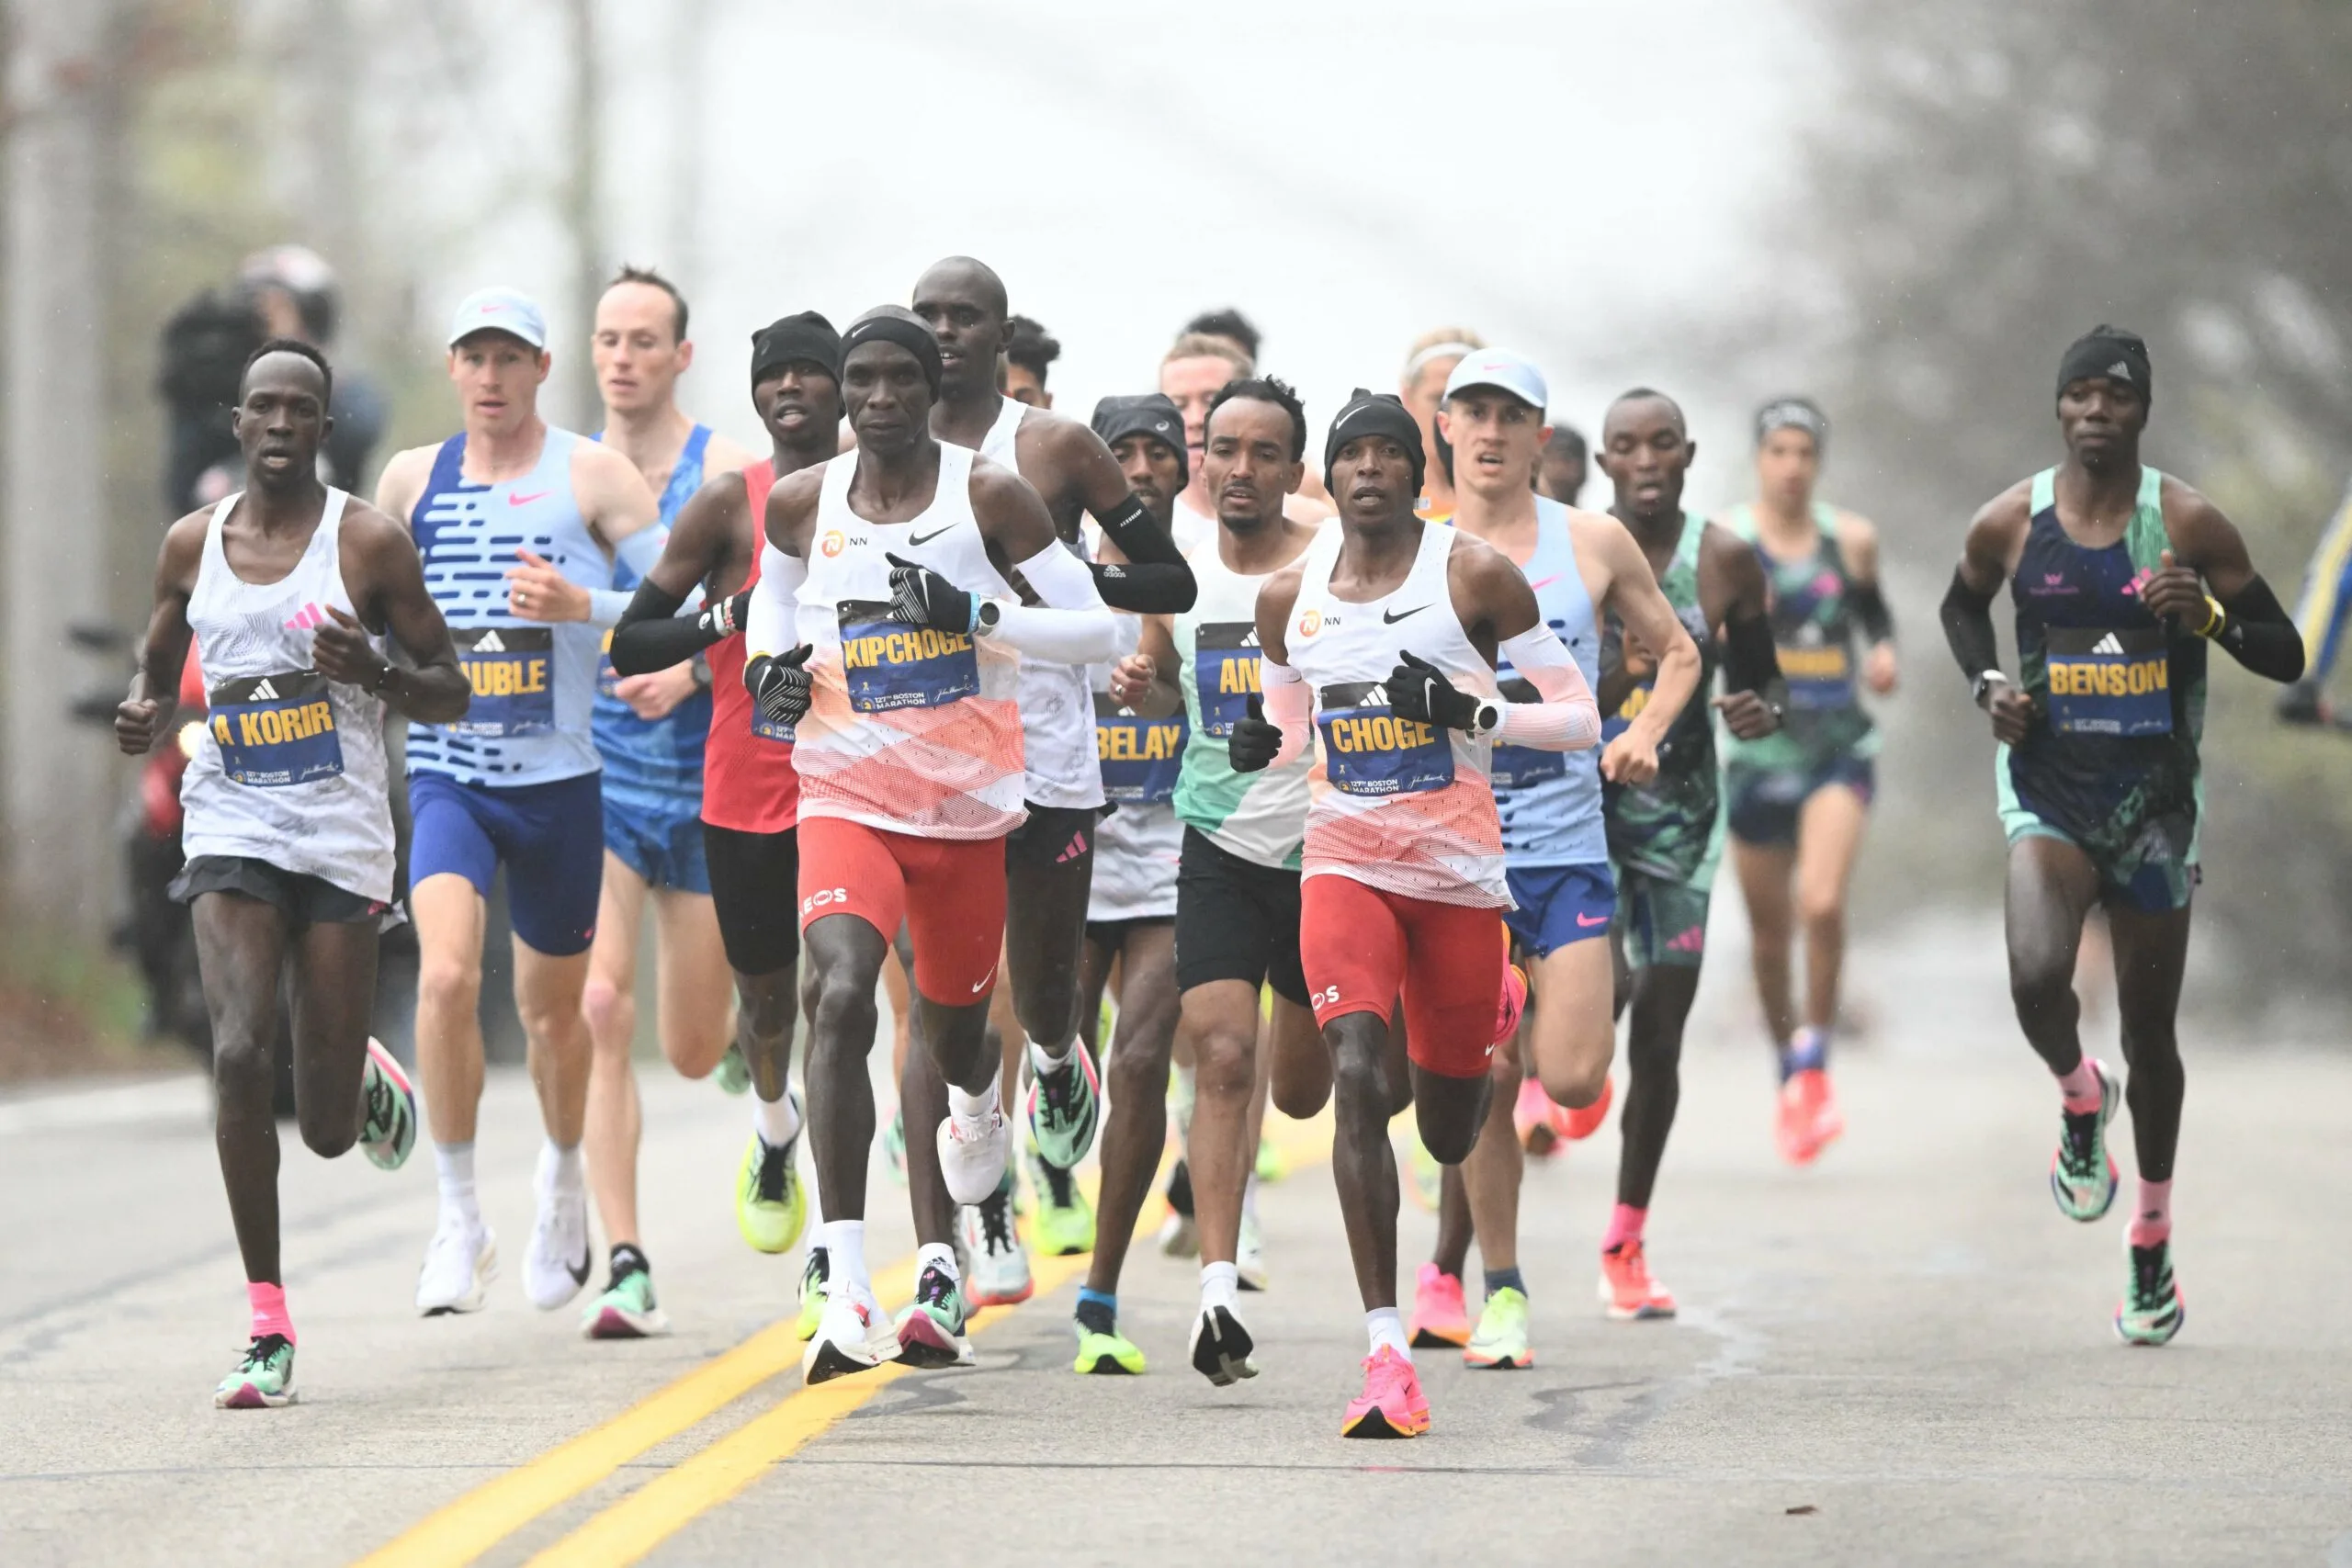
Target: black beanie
{"points": [[1146, 413], [2110, 353], [1375, 413], [805, 339]]}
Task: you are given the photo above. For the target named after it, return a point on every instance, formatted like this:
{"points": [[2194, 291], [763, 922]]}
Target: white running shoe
{"points": [[460, 1264], [853, 1337], [556, 1264], [973, 1151], [1249, 1254], [1221, 1347], [998, 1274]]}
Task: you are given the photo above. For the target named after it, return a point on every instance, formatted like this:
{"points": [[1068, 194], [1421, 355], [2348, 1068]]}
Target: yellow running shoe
{"points": [[770, 1203]]}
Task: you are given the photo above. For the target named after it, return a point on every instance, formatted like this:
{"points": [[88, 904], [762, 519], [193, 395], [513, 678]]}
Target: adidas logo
{"points": [[2119, 370], [488, 642], [1250, 638], [2110, 644], [1077, 848], [265, 693]]}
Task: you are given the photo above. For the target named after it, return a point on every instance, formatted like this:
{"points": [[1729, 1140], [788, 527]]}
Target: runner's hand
{"points": [[537, 591], [1879, 667], [136, 722], [657, 692], [1132, 679], [2011, 711], [2177, 593], [920, 597], [780, 688], [1419, 690], [1254, 742], [1748, 715], [1629, 760], [339, 651]]}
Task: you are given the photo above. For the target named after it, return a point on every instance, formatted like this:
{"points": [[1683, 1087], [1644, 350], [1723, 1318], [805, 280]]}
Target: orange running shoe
{"points": [[1806, 1116], [1627, 1288], [1439, 1317], [1582, 1125], [1391, 1405], [1542, 1125]]}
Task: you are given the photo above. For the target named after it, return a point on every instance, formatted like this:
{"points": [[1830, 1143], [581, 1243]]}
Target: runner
{"points": [[1666, 835], [290, 589], [1236, 883], [1581, 566], [649, 730], [1384, 642], [515, 520], [1561, 475], [1427, 363], [2324, 613], [1029, 352], [752, 793], [1051, 856], [1210, 353], [909, 752], [1799, 798], [1131, 911], [2121, 575]]}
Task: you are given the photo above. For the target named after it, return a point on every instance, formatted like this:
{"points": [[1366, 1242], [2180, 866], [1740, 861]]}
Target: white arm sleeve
{"points": [[772, 626], [1567, 719], [1289, 708], [1073, 625]]}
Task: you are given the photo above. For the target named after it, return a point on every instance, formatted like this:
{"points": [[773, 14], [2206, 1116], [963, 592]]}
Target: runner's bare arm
{"points": [[430, 687], [2242, 614], [1150, 575], [1758, 695], [1642, 606], [402, 484], [146, 712], [1146, 681]]}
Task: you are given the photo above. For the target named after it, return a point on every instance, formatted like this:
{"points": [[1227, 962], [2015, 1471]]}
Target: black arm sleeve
{"points": [[1870, 609], [652, 636], [1141, 540], [1968, 627], [2260, 636], [1154, 588], [1749, 662]]}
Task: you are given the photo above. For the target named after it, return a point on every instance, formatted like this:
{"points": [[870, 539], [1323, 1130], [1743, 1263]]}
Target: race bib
{"points": [[1368, 751], [1818, 677], [274, 730], [1224, 668], [1140, 757], [510, 668], [767, 728], [608, 680], [2109, 683], [1520, 767], [889, 666]]}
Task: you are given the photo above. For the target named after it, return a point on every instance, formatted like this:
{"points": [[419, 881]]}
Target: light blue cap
{"points": [[508, 310], [1514, 372]]}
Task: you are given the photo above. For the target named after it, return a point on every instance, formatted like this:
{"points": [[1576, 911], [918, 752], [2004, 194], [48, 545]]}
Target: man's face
{"points": [[281, 418], [1152, 471], [1645, 454], [1496, 439], [1190, 383], [1247, 465], [1023, 386], [963, 314], [1787, 462], [637, 352], [497, 376], [887, 395], [1561, 474], [799, 402], [1371, 479], [2101, 420]]}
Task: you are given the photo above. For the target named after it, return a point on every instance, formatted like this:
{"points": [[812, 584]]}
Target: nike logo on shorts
{"points": [[1588, 921]]}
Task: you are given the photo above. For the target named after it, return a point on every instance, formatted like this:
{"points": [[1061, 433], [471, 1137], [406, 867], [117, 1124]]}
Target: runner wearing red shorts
{"points": [[885, 629], [1383, 641]]}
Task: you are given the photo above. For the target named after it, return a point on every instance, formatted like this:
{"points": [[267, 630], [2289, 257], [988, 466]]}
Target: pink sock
{"points": [[2152, 1215], [1624, 1226], [2080, 1089], [269, 1309]]}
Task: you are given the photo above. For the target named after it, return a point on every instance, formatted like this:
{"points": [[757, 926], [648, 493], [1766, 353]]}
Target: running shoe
{"points": [[851, 1337], [1425, 1175], [1178, 1236], [389, 1131], [1271, 1165], [813, 1275], [1541, 1126], [1000, 1274], [1627, 1288], [1391, 1405], [2152, 1311], [1249, 1254], [263, 1381], [894, 1146], [2083, 1177], [1107, 1355], [1806, 1116], [771, 1205], [1064, 1224], [733, 1073], [1584, 1124], [1439, 1317], [972, 1152], [550, 1276], [1221, 1347], [626, 1311], [458, 1267], [1500, 1343], [931, 1328], [1064, 1104]]}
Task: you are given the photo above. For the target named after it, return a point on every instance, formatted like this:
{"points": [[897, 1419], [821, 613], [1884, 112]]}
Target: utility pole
{"points": [[689, 27], [582, 213], [54, 521]]}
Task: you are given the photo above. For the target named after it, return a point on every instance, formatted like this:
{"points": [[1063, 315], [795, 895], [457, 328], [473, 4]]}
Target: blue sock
{"points": [[1808, 1052], [1504, 1280], [1098, 1311]]}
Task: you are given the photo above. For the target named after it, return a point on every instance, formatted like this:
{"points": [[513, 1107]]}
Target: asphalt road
{"points": [[1901, 1355]]}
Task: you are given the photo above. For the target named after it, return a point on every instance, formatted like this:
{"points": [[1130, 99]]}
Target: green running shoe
{"points": [[1500, 1341], [770, 1203], [1271, 1165], [626, 1311], [733, 1075], [894, 1144], [930, 1327], [813, 1275], [2152, 1311], [1108, 1355], [263, 1381], [2083, 1177], [387, 1131], [1065, 1102], [1064, 1224]]}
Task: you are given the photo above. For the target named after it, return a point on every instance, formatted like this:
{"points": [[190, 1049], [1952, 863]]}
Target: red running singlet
{"points": [[748, 781]]}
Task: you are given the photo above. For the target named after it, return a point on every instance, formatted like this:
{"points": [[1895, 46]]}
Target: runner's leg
{"points": [[1829, 837], [695, 1000], [608, 1002], [2051, 886], [334, 992], [1765, 871], [240, 944], [2151, 951], [450, 917], [1138, 1130]]}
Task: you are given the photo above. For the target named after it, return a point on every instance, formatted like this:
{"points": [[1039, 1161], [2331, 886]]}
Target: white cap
{"points": [[508, 310], [1501, 367]]}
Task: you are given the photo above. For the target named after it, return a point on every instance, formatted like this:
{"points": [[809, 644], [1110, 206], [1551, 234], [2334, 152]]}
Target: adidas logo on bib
{"points": [[2110, 644], [265, 693], [489, 643]]}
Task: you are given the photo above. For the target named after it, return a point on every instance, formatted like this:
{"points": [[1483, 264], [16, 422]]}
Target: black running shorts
{"points": [[755, 889], [1235, 920]]}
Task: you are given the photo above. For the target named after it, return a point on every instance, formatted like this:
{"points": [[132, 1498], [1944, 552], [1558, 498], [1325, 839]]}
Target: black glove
{"points": [[1418, 690], [724, 618], [1253, 743], [920, 597], [780, 688]]}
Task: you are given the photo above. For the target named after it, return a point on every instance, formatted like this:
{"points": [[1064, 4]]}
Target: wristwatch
{"points": [[985, 618], [1985, 684], [1488, 718]]}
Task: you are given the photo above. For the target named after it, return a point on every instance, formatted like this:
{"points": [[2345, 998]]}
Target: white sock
{"points": [[560, 1170], [972, 1106], [845, 1245], [940, 1256], [1045, 1059], [454, 1162], [779, 1121], [1249, 1196], [1220, 1286], [1387, 1327]]}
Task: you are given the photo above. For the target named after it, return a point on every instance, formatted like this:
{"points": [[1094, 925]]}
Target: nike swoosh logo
{"points": [[1588, 921], [1392, 616], [926, 538], [514, 499], [1546, 582]]}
